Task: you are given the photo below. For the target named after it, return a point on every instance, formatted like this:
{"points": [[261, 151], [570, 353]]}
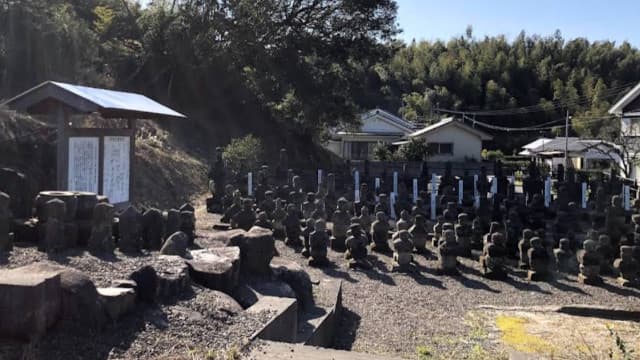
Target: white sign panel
{"points": [[250, 184], [584, 195], [476, 194], [415, 191], [434, 195], [460, 191], [395, 182], [626, 192], [547, 192], [83, 170], [117, 152]]}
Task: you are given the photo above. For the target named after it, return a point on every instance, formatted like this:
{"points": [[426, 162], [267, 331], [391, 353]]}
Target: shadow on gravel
{"points": [[474, 284], [379, 272], [526, 286], [469, 270], [334, 271], [345, 334], [566, 287], [423, 280], [620, 291]]}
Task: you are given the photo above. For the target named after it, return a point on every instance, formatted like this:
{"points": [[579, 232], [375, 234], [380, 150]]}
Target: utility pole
{"points": [[566, 139]]}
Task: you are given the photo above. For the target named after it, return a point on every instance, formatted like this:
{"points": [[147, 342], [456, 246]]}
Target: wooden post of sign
{"points": [[131, 125]]}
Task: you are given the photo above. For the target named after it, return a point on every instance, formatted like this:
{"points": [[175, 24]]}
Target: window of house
{"points": [[440, 148], [359, 150]]}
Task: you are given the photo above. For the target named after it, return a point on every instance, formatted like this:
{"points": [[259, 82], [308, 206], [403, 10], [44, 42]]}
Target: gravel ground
{"points": [[395, 313]]}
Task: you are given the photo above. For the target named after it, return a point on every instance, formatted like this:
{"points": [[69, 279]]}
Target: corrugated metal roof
{"points": [[83, 99], [451, 121]]}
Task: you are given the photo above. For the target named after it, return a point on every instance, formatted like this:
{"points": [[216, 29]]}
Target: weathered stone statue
{"points": [[615, 219], [235, 207], [365, 222], [245, 218], [493, 257], [318, 243], [152, 228], [447, 254], [172, 223], [463, 234], [523, 248], [279, 214], [437, 231], [101, 239], [566, 260], [319, 212], [263, 221], [292, 227], [419, 234], [268, 205], [129, 230], [495, 227], [514, 229], [589, 260], [380, 233], [54, 228], [309, 206], [627, 267], [341, 221], [383, 205], [606, 253], [451, 212], [539, 261], [356, 248], [402, 250], [419, 208], [5, 217], [188, 224], [404, 223], [306, 233], [476, 234]]}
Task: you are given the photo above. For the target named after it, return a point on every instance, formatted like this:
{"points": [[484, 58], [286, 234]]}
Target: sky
{"points": [[615, 20]]}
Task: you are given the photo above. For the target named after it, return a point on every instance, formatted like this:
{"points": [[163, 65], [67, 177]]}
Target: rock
{"points": [[226, 303], [297, 278], [257, 247], [176, 244], [129, 230], [101, 238], [118, 301], [25, 231], [147, 283], [30, 302], [68, 197], [16, 185], [173, 276], [172, 223], [216, 268], [152, 228], [220, 238], [86, 201], [124, 283]]}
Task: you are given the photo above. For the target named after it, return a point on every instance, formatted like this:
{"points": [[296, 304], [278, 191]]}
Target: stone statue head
{"points": [[604, 240], [449, 236], [291, 208], [420, 220], [311, 197], [447, 226], [320, 225], [262, 216], [380, 216], [364, 211], [342, 204], [463, 218], [589, 245], [565, 244], [536, 242], [626, 252], [404, 235], [497, 238], [527, 234], [616, 201], [268, 195], [247, 204], [356, 229], [404, 215], [310, 223]]}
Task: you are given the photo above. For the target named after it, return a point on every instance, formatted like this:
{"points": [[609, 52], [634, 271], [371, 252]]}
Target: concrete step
{"points": [[269, 350], [318, 325]]}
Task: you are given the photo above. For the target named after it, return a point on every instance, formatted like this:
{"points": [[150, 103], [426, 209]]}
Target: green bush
{"points": [[381, 152], [492, 155], [243, 154], [414, 150]]}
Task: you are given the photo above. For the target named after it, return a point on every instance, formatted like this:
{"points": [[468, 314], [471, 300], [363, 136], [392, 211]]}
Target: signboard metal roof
{"points": [[83, 99]]}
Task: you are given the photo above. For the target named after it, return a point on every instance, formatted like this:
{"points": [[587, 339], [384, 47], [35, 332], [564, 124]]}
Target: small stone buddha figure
{"points": [[419, 234], [245, 218], [607, 254], [493, 257], [447, 254], [341, 221], [263, 221], [306, 233], [268, 205], [402, 250], [451, 212], [404, 223], [380, 233], [279, 214], [539, 261], [437, 231], [627, 267], [419, 208], [463, 234], [235, 207], [319, 212], [566, 260], [356, 248], [309, 205], [523, 247], [615, 219], [318, 243], [476, 234], [495, 227], [292, 226], [383, 205], [365, 222], [589, 260]]}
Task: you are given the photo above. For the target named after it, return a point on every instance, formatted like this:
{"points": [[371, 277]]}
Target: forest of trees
{"points": [[309, 64]]}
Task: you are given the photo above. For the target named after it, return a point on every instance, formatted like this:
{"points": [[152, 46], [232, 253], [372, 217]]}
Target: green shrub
{"points": [[414, 150], [492, 155], [243, 154], [381, 152]]}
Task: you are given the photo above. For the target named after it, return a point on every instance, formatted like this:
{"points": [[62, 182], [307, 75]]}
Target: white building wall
{"points": [[465, 144]]}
